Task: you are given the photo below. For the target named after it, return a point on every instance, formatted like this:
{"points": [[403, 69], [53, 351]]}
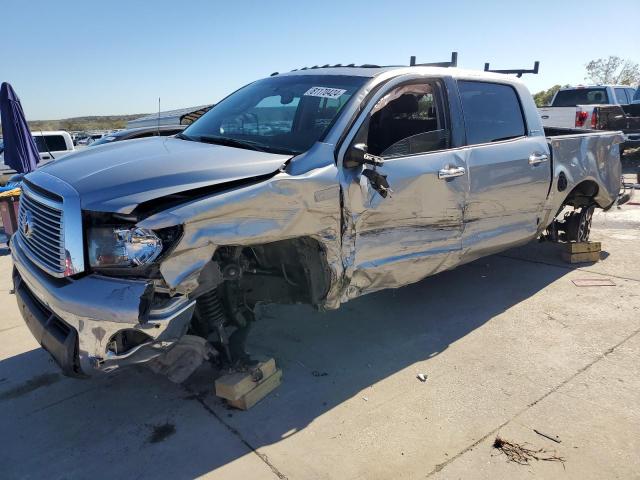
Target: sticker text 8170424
{"points": [[324, 92]]}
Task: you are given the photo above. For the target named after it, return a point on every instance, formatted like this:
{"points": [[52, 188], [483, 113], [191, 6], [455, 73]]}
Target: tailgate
{"points": [[558, 116]]}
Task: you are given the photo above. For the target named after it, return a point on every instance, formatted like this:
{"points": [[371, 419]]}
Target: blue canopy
{"points": [[20, 151]]}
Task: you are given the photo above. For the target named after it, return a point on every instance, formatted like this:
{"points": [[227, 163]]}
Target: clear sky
{"points": [[73, 58]]}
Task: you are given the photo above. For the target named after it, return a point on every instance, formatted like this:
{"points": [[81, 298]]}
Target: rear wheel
{"points": [[578, 224]]}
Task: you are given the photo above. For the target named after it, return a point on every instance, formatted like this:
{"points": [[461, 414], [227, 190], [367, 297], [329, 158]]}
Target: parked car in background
{"points": [[89, 139], [572, 107], [52, 145], [625, 118], [141, 132]]}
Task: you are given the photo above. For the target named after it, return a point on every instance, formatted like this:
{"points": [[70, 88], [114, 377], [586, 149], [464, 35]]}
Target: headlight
{"points": [[119, 247]]}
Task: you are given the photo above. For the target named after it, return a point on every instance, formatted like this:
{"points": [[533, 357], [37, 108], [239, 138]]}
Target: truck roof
{"points": [[391, 71], [600, 85], [38, 133]]}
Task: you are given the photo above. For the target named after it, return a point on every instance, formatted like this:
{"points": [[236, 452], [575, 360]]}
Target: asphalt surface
{"points": [[508, 344]]}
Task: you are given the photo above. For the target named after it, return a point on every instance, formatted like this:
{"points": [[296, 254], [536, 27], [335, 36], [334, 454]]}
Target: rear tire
{"points": [[578, 224]]}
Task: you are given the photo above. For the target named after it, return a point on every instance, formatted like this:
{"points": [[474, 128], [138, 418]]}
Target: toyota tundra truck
{"points": [[315, 186]]}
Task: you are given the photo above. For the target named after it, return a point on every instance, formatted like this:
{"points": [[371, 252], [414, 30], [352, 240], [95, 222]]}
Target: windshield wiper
{"points": [[230, 142], [182, 136]]}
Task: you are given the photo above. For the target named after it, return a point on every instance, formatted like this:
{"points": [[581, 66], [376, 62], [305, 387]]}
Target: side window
{"points": [[621, 96], [408, 120], [491, 112]]}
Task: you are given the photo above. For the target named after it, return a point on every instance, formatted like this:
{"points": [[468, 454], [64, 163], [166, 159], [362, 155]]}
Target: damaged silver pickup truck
{"points": [[315, 186]]}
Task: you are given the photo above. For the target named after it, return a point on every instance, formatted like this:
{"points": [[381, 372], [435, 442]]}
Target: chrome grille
{"points": [[40, 222]]}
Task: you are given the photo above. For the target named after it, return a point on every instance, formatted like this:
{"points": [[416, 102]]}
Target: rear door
{"points": [[509, 169], [417, 229]]}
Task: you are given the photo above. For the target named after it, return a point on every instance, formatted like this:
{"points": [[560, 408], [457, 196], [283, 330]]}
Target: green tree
{"points": [[613, 70], [543, 98]]}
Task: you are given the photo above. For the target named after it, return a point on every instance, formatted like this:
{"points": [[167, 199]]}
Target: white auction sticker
{"points": [[324, 92]]}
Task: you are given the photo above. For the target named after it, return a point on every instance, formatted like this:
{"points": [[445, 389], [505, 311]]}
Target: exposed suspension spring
{"points": [[210, 308]]}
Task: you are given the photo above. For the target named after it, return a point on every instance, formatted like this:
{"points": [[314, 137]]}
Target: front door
{"points": [[417, 229]]}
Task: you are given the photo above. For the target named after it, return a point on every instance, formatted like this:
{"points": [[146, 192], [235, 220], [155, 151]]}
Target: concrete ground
{"points": [[509, 344]]}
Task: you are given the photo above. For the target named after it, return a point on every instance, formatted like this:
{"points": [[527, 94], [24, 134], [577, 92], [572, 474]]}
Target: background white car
{"points": [[52, 145]]}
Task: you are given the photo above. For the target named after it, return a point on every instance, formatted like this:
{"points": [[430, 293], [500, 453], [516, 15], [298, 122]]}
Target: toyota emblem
{"points": [[27, 226]]}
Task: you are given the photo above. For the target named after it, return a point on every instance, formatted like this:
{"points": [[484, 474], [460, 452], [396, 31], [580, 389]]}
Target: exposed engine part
{"points": [[183, 358], [239, 278], [575, 226]]}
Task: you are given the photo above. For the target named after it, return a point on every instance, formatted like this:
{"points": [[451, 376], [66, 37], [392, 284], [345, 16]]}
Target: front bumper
{"points": [[76, 320]]}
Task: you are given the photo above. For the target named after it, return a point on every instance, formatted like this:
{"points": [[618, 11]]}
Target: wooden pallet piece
{"points": [[235, 385], [264, 388], [588, 257], [583, 247]]}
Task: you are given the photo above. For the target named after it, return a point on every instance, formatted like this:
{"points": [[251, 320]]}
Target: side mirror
{"points": [[357, 155]]}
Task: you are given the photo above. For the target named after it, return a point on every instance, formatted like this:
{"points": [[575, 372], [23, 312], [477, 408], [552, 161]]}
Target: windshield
{"points": [[580, 96], [285, 114], [637, 95]]}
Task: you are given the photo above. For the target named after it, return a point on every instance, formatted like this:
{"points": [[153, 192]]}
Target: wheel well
{"points": [[287, 271], [582, 194]]}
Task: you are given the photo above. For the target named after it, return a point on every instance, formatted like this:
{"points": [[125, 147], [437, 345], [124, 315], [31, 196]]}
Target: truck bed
{"points": [[581, 155]]}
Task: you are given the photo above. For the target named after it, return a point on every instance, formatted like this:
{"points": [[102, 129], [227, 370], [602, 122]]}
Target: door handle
{"points": [[451, 172], [537, 158], [46, 157]]}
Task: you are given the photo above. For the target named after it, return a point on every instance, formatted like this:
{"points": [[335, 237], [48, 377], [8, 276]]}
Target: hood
{"points": [[119, 176]]}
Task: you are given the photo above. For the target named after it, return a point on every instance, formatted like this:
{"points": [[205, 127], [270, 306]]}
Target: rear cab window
{"points": [[491, 112], [580, 96], [50, 143]]}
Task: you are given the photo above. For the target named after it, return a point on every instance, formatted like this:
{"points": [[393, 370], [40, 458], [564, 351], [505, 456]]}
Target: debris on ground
{"points": [[183, 359], [422, 377], [594, 282], [553, 438], [522, 455], [316, 373]]}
